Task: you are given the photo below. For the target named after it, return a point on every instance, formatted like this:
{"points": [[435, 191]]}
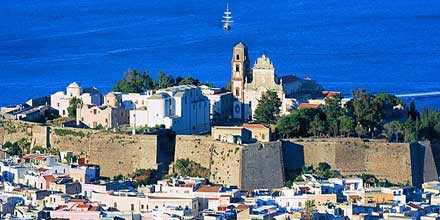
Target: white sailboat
{"points": [[227, 18]]}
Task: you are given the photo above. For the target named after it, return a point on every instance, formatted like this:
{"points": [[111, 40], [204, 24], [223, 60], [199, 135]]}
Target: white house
{"points": [[60, 100], [220, 103], [181, 108], [136, 100]]}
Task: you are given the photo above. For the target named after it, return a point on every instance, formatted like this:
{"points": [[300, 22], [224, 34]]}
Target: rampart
{"points": [[115, 153], [397, 162], [246, 166]]}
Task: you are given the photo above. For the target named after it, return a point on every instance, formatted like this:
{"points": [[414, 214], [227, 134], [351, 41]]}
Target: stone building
{"points": [[110, 115], [249, 85], [60, 100], [247, 133]]}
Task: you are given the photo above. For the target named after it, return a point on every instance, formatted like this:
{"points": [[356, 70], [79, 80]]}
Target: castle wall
{"points": [[115, 153], [245, 166], [263, 166], [397, 162], [255, 165]]}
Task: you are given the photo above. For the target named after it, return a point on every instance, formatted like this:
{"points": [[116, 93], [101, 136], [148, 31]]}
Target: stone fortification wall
{"points": [[263, 166], [255, 165], [222, 159], [115, 153], [12, 130], [396, 162], [245, 166]]}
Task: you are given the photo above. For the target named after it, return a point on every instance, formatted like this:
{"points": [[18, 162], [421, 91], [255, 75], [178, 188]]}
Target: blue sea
{"points": [[380, 45]]}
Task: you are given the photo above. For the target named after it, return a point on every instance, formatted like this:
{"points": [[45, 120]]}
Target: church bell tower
{"points": [[239, 70]]}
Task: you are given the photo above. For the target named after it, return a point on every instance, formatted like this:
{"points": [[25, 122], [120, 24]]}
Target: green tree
{"points": [[333, 107], [309, 207], [346, 125], [394, 131], [187, 81], [186, 167], [361, 131], [368, 111], [13, 148], [119, 177], [268, 108], [317, 126], [413, 114], [165, 81], [73, 105], [135, 82], [289, 125]]}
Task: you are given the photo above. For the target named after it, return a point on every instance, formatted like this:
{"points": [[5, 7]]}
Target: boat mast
{"points": [[227, 18]]}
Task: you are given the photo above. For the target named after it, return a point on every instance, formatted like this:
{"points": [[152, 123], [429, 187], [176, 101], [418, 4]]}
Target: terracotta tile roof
{"points": [[242, 207], [206, 188], [49, 178], [42, 169], [78, 200], [308, 105], [354, 196], [253, 126], [40, 158], [329, 94]]}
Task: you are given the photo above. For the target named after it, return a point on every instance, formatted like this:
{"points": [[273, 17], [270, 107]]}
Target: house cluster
{"points": [[185, 109], [45, 187]]}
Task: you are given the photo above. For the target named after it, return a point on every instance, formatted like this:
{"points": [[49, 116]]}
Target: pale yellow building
{"points": [[248, 85], [110, 115]]}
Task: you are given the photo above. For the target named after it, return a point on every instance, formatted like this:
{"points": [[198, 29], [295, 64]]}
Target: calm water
{"points": [[381, 45]]}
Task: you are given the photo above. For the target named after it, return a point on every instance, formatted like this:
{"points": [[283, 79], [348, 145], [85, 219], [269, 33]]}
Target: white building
{"points": [[60, 100], [136, 100], [183, 109], [220, 103]]}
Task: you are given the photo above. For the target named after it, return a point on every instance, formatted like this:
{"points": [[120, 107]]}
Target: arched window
{"points": [[238, 57], [237, 91], [237, 68]]}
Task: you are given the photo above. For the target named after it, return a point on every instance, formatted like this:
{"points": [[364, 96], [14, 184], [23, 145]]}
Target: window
{"points": [[142, 206], [132, 207], [299, 204], [237, 57], [237, 91], [115, 205], [237, 68], [94, 111]]}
